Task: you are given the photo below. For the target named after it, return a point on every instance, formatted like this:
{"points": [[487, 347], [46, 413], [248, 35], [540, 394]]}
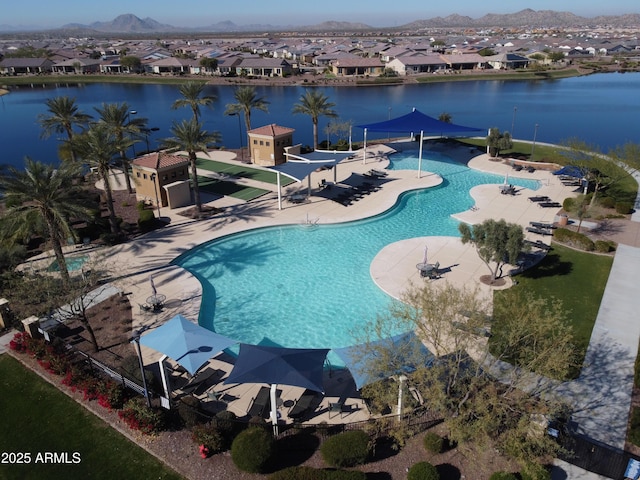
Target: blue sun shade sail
{"points": [[187, 343], [299, 367], [369, 363], [417, 122], [572, 171]]}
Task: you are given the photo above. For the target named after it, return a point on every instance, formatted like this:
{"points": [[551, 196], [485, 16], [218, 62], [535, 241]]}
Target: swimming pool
{"points": [[73, 264], [310, 287]]}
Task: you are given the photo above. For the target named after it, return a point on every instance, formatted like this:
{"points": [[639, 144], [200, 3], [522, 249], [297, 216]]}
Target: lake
{"points": [[601, 109]]}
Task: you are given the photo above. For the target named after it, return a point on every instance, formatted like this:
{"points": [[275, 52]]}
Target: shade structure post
{"points": [[364, 148], [165, 381], [141, 363], [274, 409], [420, 155], [279, 191]]}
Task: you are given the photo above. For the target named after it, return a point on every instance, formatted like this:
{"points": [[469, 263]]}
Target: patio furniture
{"points": [[540, 198], [156, 301], [549, 205], [306, 404], [539, 231], [428, 270], [543, 225], [259, 406], [336, 407], [507, 190]]}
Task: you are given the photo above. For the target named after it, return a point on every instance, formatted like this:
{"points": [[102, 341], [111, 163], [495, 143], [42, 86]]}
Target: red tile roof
{"points": [[159, 160], [272, 130]]}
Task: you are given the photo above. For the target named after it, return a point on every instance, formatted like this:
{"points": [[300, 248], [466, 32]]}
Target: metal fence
{"points": [[595, 457]]}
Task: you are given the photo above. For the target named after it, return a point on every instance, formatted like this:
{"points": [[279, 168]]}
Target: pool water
{"points": [[303, 287], [73, 264]]}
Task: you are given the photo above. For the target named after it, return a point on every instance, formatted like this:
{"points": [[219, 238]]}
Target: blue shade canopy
{"points": [[187, 343], [368, 364], [417, 121], [300, 367], [572, 171]]}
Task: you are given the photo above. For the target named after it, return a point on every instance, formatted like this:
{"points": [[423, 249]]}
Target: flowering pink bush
{"points": [[204, 451], [19, 342]]}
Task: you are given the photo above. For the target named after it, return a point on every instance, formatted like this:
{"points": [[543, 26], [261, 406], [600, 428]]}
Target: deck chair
{"points": [[304, 405], [259, 406], [336, 407]]}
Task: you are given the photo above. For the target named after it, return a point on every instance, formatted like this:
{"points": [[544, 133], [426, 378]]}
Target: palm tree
{"points": [[117, 119], [62, 117], [189, 136], [42, 199], [192, 97], [246, 100], [97, 147], [315, 104]]}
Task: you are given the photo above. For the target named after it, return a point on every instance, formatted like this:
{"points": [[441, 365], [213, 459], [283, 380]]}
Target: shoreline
{"points": [[304, 80]]}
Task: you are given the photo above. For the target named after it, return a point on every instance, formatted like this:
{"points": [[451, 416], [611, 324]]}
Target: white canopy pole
{"points": [[165, 382], [420, 156], [364, 148], [279, 192], [308, 185], [274, 409], [401, 380]]}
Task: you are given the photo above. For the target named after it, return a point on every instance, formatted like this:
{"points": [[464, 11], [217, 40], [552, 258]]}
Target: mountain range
{"points": [[131, 24]]}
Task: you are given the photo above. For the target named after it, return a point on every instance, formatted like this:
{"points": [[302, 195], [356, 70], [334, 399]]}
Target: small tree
{"points": [[445, 117], [497, 141], [131, 63], [495, 241], [579, 206]]}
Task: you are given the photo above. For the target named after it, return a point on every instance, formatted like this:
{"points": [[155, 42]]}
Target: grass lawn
{"points": [[576, 278], [38, 418], [241, 171], [231, 189]]}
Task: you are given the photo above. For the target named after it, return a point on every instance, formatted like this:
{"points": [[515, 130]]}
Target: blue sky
{"points": [[54, 13]]}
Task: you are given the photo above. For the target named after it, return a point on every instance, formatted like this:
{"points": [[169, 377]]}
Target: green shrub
{"points": [[605, 246], [146, 219], [345, 475], [535, 471], [138, 416], [568, 204], [189, 411], [346, 449], [209, 436], [624, 207], [423, 471], [228, 424], [140, 205], [503, 476], [252, 449], [607, 202], [574, 239], [433, 442]]}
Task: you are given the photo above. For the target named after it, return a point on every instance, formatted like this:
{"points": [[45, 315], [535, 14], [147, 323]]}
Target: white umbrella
{"points": [[153, 286], [424, 260]]}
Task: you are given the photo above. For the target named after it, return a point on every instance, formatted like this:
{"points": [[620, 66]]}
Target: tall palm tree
{"points": [[63, 115], [315, 104], [246, 100], [117, 119], [192, 97], [97, 148], [189, 136], [42, 199]]}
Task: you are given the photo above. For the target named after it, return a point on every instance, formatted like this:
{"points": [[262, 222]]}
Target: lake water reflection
{"points": [[602, 109]]}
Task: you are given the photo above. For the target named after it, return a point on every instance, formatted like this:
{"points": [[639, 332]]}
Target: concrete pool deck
{"points": [[394, 267]]}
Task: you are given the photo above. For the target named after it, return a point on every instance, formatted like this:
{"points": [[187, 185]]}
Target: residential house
{"points": [[264, 67], [348, 67], [417, 63], [468, 61], [25, 66], [267, 144], [507, 61], [172, 65], [77, 66]]}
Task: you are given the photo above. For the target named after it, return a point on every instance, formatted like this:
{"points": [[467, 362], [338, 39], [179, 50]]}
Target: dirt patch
{"points": [[111, 321], [207, 212], [498, 282]]}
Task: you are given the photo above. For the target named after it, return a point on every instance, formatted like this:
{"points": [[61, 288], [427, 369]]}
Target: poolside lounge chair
{"points": [[540, 198], [539, 231], [542, 225], [538, 244], [306, 404], [549, 204], [336, 407], [259, 406]]}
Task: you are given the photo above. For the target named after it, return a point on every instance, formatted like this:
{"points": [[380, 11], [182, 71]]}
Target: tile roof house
{"points": [[267, 144], [155, 173], [25, 66], [358, 66]]}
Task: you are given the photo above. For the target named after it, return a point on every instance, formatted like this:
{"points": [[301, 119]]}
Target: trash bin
{"points": [[563, 219]]}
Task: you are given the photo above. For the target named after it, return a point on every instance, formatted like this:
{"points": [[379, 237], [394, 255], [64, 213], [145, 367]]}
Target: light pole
{"points": [[389, 133], [155, 188], [533, 146], [129, 113], [513, 121], [237, 114], [136, 339]]}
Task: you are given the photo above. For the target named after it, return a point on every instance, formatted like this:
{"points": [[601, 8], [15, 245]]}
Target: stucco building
{"points": [[267, 144]]}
